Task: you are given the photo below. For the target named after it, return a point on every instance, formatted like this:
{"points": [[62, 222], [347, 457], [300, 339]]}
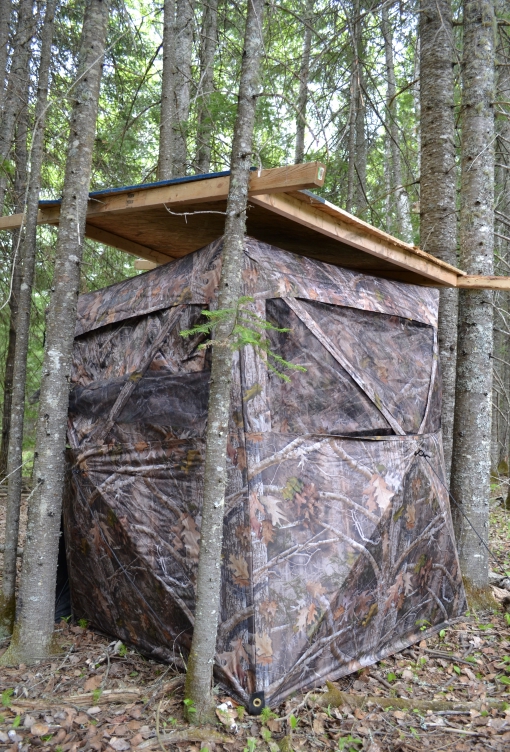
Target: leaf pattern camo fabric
{"points": [[338, 544]]}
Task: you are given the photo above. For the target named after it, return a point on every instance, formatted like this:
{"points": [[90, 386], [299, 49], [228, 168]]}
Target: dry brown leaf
{"points": [[39, 729], [378, 493], [268, 533], [315, 589], [92, 683], [268, 609], [312, 614], [239, 568], [264, 648]]}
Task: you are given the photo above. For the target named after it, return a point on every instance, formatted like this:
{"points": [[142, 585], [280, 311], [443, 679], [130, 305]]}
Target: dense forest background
{"points": [[341, 84]]}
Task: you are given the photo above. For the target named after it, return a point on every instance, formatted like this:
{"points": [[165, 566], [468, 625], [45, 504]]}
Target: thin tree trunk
{"points": [[167, 117], [304, 73], [360, 197], [416, 98], [16, 86], [33, 629], [182, 83], [5, 27], [388, 195], [351, 147], [437, 184], [205, 123], [352, 170], [203, 648], [404, 228], [28, 253], [20, 185], [472, 426], [501, 369]]}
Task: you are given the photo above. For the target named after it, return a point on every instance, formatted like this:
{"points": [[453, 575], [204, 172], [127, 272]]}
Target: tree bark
{"points": [[437, 184], [183, 48], [16, 85], [167, 116], [472, 425], [353, 168], [28, 253], [201, 659], [175, 99], [32, 635], [205, 123], [304, 73], [403, 220], [5, 27], [19, 190], [360, 197], [501, 365]]}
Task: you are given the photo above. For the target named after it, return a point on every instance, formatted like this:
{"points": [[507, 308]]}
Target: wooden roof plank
{"points": [[335, 211], [479, 282], [358, 237], [124, 244]]}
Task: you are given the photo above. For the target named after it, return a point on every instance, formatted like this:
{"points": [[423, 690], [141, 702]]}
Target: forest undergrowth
{"points": [[450, 692]]}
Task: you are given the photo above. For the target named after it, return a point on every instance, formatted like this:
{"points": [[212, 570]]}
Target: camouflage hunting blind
{"points": [[338, 543]]}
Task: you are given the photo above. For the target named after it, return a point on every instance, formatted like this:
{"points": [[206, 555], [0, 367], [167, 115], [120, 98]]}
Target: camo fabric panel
{"points": [[338, 547]]}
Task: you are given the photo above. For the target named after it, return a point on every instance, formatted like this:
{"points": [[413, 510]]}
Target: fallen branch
{"points": [[335, 697], [188, 735], [450, 730], [447, 657], [86, 699]]}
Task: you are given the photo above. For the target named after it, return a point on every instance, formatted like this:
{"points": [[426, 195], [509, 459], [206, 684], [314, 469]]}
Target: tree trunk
{"points": [[175, 98], [355, 119], [182, 83], [28, 252], [351, 147], [205, 122], [360, 193], [33, 629], [167, 117], [437, 184], [5, 27], [403, 223], [20, 185], [201, 659], [16, 85], [472, 426], [304, 72], [501, 367]]}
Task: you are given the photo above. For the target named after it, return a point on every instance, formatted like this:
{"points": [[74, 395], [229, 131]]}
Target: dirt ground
{"points": [[448, 693]]}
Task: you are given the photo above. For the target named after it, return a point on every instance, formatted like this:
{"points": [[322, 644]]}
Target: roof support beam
{"points": [[123, 244], [477, 282], [278, 179], [355, 236]]}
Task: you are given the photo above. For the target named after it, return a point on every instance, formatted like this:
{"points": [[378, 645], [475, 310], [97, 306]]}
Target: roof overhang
{"points": [[166, 220]]}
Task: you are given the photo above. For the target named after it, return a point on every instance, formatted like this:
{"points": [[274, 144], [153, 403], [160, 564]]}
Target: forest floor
{"points": [[446, 693]]}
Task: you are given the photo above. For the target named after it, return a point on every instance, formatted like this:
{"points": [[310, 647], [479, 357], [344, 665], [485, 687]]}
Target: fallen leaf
{"points": [[119, 745], [39, 729], [318, 726], [92, 683]]}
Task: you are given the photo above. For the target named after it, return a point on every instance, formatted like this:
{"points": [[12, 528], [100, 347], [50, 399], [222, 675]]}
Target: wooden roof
{"points": [[166, 220]]}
